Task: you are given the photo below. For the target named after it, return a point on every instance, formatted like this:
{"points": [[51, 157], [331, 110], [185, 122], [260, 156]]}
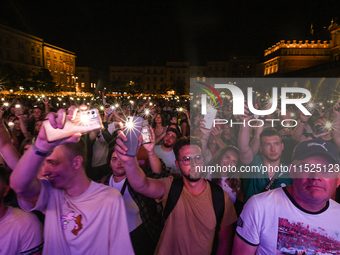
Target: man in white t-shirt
{"points": [[300, 218], [20, 231], [166, 152], [81, 216]]}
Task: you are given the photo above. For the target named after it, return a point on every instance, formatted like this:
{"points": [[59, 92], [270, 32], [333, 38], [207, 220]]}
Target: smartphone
{"points": [[11, 125], [132, 130], [18, 106], [209, 117], [84, 122], [112, 109], [146, 134]]}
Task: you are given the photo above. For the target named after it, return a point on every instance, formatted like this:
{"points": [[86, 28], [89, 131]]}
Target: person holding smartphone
{"points": [[75, 207]]}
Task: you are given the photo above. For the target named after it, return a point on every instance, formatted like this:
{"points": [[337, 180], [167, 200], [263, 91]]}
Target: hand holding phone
{"points": [[132, 130], [209, 117], [82, 122]]}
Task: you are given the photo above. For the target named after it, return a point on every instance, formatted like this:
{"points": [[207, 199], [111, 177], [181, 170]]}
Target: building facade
{"points": [[26, 52], [90, 80], [159, 79]]}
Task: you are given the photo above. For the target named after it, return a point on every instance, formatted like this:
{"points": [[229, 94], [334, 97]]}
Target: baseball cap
{"points": [[316, 147]]}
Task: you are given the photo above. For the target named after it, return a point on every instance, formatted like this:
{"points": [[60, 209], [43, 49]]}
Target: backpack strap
{"points": [[173, 196], [219, 204]]}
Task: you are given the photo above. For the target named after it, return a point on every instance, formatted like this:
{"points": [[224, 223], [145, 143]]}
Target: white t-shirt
{"points": [[227, 189], [168, 158], [132, 209], [20, 232], [92, 223], [275, 223]]}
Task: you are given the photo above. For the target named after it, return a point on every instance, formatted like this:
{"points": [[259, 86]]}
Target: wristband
{"points": [[40, 152], [203, 138], [303, 121]]}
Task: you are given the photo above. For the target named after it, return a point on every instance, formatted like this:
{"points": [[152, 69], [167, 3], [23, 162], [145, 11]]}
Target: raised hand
{"points": [[57, 120]]}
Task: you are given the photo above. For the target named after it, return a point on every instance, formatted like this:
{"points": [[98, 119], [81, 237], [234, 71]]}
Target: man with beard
{"points": [[166, 152], [267, 170], [190, 226]]}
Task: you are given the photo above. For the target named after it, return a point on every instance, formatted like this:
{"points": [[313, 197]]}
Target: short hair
{"points": [[77, 149], [186, 140], [269, 131], [37, 107], [174, 131]]}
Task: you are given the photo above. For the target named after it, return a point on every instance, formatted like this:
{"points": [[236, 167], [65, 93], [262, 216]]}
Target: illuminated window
{"points": [[68, 79], [55, 56], [48, 64], [83, 84]]}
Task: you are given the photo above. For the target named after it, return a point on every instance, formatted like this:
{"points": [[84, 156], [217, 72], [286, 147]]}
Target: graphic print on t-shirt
{"points": [[65, 220], [301, 238]]}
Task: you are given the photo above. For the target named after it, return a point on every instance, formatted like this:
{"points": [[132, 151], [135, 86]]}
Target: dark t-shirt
{"points": [[256, 182]]}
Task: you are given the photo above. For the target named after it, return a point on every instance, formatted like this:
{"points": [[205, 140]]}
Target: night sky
{"points": [[104, 33]]}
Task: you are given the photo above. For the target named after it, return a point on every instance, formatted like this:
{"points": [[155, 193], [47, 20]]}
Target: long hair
{"points": [[154, 120], [234, 183]]}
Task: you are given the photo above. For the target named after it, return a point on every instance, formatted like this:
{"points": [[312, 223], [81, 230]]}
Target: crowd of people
{"points": [[84, 195]]}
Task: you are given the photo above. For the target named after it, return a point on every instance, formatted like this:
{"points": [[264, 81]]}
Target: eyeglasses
{"points": [[187, 160], [170, 136]]}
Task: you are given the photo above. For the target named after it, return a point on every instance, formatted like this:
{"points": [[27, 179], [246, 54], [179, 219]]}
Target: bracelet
{"points": [[40, 152], [303, 121], [204, 138]]}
